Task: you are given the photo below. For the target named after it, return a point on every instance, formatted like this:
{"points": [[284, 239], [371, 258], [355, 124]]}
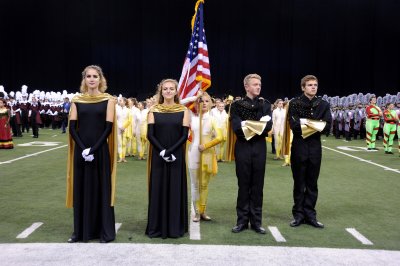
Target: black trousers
{"points": [[356, 133], [305, 163], [14, 128], [35, 127], [25, 122], [250, 159]]}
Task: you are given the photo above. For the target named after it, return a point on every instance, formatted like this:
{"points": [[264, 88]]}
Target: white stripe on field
{"points": [[194, 232], [276, 234], [50, 254], [117, 227], [359, 236], [366, 161], [33, 154], [29, 230]]}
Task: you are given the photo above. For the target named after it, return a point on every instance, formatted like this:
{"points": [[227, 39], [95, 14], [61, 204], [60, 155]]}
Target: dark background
{"points": [[350, 45]]}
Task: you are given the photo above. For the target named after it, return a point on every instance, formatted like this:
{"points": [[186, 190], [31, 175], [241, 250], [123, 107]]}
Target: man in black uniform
{"points": [[250, 153], [306, 152]]}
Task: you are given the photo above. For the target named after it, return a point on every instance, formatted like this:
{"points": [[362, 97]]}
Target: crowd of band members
{"points": [[50, 110], [348, 122], [36, 110], [352, 115]]}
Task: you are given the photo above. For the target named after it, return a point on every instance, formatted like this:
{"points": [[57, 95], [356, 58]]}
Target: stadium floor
{"points": [[358, 189], [44, 254]]}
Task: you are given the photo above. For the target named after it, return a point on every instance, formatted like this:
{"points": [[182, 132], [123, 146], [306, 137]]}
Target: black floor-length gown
{"points": [[93, 213], [168, 209]]}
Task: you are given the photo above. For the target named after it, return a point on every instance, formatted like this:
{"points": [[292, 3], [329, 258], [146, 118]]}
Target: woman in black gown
{"points": [[168, 126], [92, 160]]}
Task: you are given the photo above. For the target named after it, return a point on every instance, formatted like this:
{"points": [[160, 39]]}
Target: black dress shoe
{"points": [[239, 228], [296, 222], [315, 223], [259, 229], [72, 240], [105, 241]]}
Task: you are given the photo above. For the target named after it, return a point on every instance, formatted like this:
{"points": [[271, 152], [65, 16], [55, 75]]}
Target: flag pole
{"points": [[200, 170]]}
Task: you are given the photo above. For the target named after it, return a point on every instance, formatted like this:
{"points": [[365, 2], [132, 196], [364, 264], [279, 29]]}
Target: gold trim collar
{"points": [[86, 98], [161, 108]]}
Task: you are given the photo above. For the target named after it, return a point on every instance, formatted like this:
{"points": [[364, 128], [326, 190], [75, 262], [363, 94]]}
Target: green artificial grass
{"points": [[352, 194]]}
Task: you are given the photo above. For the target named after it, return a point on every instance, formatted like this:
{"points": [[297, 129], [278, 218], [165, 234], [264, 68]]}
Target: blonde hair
{"points": [[204, 95], [159, 90], [103, 81], [250, 76]]}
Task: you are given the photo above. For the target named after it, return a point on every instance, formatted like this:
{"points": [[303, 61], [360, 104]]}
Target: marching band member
{"points": [[6, 141], [278, 122], [373, 113], [202, 161], [221, 118], [389, 129], [124, 132]]}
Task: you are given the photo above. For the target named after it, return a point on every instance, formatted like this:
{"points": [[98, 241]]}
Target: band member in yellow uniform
{"points": [[141, 130], [222, 121], [124, 120], [131, 146], [202, 161]]}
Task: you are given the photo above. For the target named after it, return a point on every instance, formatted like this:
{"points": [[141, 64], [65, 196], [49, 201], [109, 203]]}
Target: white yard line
{"points": [[276, 234], [359, 236], [30, 230], [33, 154], [44, 254], [194, 231], [363, 160], [117, 227]]}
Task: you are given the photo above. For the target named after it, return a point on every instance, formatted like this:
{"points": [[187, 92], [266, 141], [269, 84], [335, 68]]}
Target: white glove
{"points": [[243, 123], [265, 118], [162, 153], [85, 153], [89, 158], [167, 159], [173, 158], [303, 121]]}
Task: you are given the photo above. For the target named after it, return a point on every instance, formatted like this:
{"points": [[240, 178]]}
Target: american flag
{"points": [[196, 69]]}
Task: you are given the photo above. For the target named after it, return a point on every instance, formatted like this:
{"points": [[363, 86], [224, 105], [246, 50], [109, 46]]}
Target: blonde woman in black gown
{"points": [[168, 126], [92, 160]]}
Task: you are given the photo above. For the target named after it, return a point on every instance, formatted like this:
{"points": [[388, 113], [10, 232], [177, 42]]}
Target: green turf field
{"points": [[353, 193]]}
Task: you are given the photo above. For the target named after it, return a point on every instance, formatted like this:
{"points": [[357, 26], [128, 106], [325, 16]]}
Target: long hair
{"points": [[103, 81], [159, 90]]}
